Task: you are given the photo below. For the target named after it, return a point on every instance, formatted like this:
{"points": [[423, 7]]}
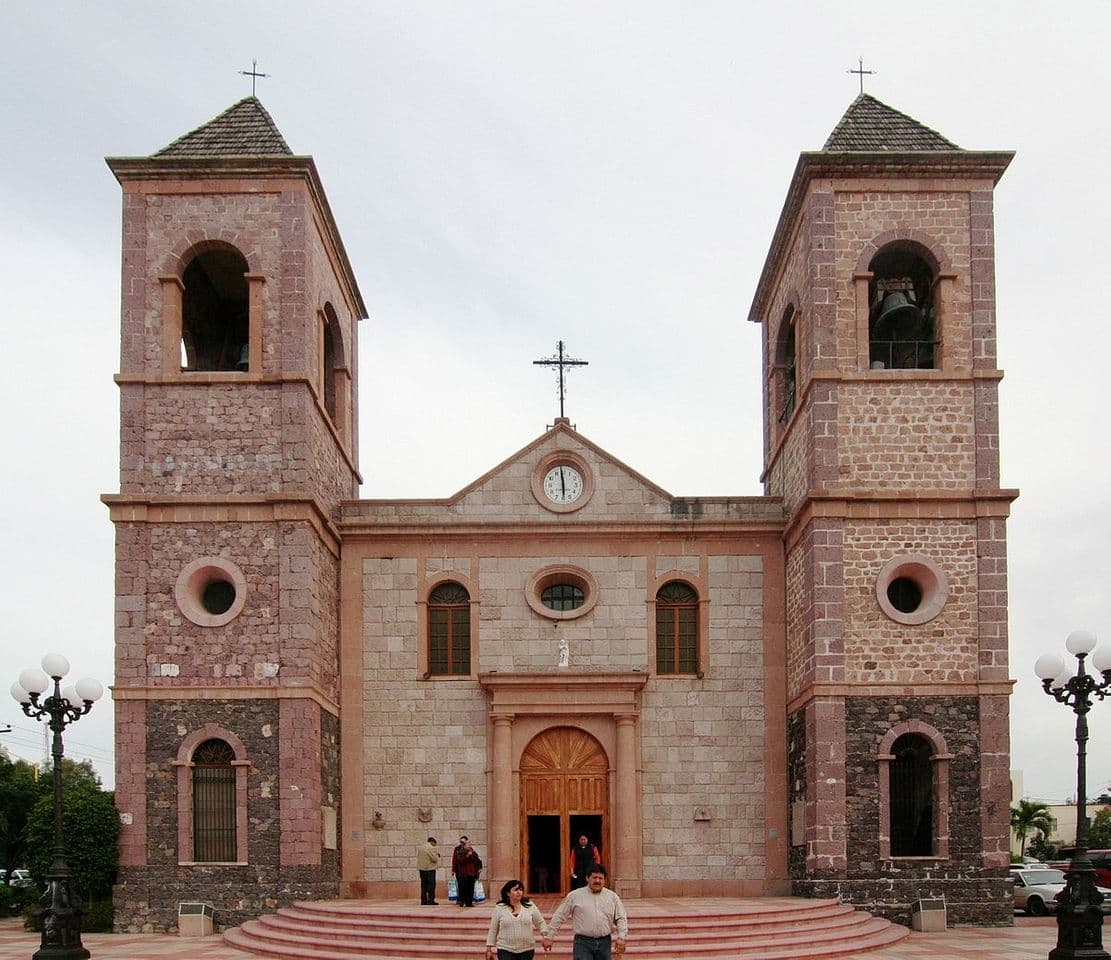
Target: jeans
{"points": [[591, 948], [510, 955]]}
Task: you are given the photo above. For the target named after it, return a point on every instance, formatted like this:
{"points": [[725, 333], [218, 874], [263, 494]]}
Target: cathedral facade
{"points": [[804, 692]]}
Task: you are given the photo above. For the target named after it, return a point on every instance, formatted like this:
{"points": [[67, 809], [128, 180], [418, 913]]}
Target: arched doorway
{"points": [[564, 793]]}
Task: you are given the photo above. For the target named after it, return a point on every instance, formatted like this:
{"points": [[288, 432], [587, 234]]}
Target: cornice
{"points": [[842, 691]]}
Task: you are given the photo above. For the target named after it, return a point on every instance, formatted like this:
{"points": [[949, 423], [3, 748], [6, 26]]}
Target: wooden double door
{"points": [[564, 794]]}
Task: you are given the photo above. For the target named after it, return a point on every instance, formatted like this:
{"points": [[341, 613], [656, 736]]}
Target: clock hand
{"points": [[562, 485]]}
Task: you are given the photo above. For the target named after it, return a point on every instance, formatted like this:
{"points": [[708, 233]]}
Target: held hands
{"points": [[547, 942]]}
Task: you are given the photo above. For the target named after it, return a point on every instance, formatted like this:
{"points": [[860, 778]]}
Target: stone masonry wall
{"points": [[703, 741], [424, 741], [146, 896], [973, 893], [878, 649], [895, 435]]}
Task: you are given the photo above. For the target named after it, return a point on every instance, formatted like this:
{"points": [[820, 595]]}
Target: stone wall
{"points": [[146, 896], [973, 892]]}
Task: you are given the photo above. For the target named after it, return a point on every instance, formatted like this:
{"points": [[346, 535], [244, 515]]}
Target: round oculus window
{"points": [[911, 589]]}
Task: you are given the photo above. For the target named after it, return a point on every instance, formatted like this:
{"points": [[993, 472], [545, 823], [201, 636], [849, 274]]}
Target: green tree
{"points": [[91, 830], [1030, 817], [1099, 833], [18, 793]]}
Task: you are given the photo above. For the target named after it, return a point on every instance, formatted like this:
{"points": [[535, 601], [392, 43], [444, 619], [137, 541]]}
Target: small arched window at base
{"points": [[912, 798], [913, 792], [902, 316], [214, 803]]}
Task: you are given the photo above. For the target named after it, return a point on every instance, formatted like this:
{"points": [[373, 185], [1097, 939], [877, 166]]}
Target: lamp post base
{"points": [[1079, 918], [61, 923]]}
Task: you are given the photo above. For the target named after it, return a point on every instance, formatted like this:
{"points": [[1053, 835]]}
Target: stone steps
{"points": [[772, 928]]}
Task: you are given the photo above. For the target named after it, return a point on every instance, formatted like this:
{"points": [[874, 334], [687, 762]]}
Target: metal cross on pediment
{"points": [[253, 74], [561, 361], [861, 72]]}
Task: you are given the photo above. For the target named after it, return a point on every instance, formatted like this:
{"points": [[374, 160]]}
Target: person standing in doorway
{"points": [[596, 913], [583, 856], [428, 858], [466, 866]]}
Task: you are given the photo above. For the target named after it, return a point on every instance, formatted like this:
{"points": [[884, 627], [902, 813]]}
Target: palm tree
{"points": [[1030, 817]]}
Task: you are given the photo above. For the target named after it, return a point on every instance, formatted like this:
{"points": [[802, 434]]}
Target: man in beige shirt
{"points": [[595, 914], [428, 858]]}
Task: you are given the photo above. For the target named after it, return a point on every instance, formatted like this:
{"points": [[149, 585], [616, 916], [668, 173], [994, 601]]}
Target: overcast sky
{"points": [[506, 175]]}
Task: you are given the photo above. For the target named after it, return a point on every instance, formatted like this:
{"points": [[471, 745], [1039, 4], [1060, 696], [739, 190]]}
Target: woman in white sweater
{"points": [[514, 924]]}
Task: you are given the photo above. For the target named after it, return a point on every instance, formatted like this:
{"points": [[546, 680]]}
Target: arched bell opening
{"points": [[215, 327], [902, 316]]}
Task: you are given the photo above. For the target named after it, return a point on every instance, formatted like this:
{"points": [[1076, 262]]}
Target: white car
{"points": [[1036, 890]]}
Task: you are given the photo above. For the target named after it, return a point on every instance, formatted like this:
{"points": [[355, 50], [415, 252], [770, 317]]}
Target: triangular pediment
{"points": [[514, 494]]}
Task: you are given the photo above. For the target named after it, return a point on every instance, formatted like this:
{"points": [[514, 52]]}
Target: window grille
{"points": [[214, 810]]}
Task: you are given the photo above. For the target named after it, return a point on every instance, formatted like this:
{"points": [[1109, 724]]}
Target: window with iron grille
{"points": [[676, 629], [912, 797], [449, 630], [214, 812]]}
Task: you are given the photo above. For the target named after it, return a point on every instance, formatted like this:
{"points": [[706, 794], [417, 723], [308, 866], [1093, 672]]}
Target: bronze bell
{"points": [[898, 317], [244, 358]]}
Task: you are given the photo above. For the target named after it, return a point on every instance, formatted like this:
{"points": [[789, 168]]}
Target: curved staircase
{"points": [[766, 928]]}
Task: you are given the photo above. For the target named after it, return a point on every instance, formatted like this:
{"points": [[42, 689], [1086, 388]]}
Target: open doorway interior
{"points": [[544, 866]]}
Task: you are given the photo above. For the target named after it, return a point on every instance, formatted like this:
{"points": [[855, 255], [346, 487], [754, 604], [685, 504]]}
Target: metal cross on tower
{"points": [[253, 74], [861, 72], [561, 361]]}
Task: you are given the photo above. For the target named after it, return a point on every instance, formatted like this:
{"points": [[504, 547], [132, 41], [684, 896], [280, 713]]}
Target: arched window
{"points": [[676, 629], [215, 329], [786, 368], [214, 803], [449, 630], [912, 797], [329, 358], [902, 316]]}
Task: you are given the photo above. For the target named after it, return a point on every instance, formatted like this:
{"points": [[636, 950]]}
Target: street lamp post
{"points": [[1079, 918], [61, 915]]}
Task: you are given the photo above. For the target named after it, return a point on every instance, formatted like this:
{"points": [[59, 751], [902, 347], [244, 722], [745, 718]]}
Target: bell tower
{"points": [[877, 301], [238, 441]]}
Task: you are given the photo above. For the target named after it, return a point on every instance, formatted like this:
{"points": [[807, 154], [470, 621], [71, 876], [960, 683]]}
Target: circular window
{"points": [[211, 591], [562, 596], [561, 592], [911, 589]]}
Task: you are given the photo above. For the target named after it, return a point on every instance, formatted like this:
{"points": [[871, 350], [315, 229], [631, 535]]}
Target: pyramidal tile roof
{"points": [[869, 126], [245, 129]]}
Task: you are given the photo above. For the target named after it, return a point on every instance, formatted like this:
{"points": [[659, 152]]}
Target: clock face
{"points": [[563, 484]]}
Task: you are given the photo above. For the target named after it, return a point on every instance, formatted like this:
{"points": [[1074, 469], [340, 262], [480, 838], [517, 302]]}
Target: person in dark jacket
{"points": [[583, 856], [466, 865]]}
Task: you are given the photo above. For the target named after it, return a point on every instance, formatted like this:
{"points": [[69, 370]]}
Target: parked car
{"points": [[1036, 890], [22, 878], [1101, 860]]}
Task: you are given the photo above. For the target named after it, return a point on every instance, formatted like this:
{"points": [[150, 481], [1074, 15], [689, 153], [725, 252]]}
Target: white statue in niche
{"points": [[564, 652]]}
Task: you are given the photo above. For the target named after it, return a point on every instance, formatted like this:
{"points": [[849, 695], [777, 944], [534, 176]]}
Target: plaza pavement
{"points": [[1029, 939]]}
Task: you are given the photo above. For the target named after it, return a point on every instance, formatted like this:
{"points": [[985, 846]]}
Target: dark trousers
{"points": [[577, 881], [592, 948], [427, 886], [510, 955], [466, 890]]}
